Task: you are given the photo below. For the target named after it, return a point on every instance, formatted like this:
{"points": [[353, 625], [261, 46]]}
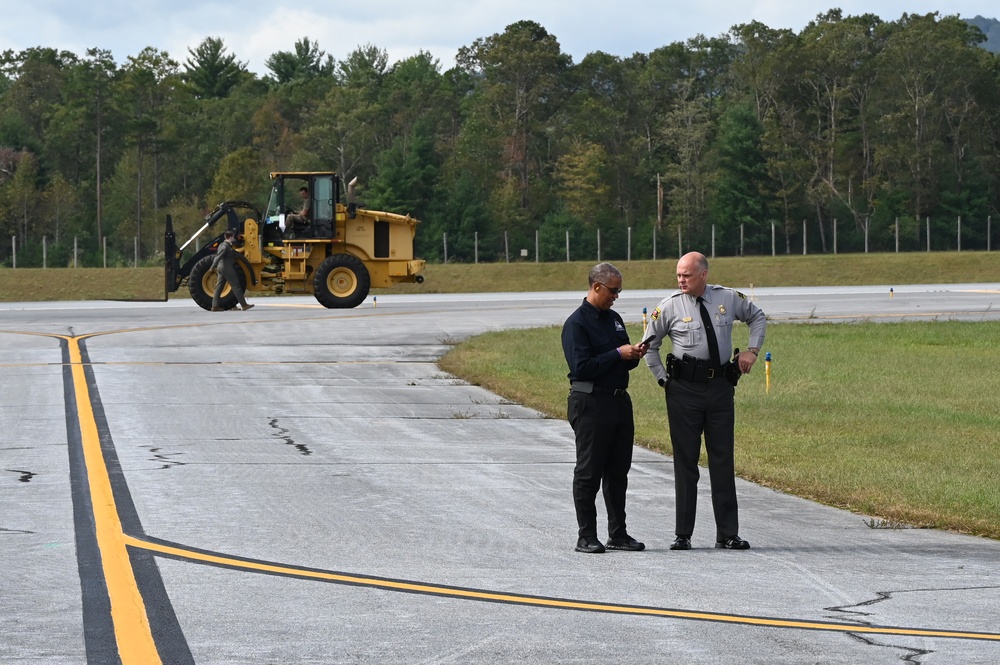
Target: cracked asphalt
{"points": [[301, 485]]}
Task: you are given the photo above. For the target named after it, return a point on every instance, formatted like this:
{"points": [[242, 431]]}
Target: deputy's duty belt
{"points": [[697, 370], [590, 388]]}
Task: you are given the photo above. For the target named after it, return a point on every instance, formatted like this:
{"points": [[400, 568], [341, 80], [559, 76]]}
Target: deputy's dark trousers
{"points": [[694, 408], [604, 433]]}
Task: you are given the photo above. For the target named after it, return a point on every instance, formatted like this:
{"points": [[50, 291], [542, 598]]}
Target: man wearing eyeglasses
{"points": [[699, 380], [599, 409]]}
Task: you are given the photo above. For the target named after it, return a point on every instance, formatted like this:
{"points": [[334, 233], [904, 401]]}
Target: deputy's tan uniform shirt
{"points": [[678, 317]]}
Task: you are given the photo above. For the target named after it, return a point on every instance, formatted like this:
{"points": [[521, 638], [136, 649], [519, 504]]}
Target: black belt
{"points": [[587, 387], [695, 370]]}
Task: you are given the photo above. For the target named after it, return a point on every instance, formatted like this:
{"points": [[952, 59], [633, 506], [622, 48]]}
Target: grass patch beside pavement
{"points": [[894, 420], [47, 284]]}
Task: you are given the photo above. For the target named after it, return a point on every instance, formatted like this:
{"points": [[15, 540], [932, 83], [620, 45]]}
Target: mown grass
{"points": [[894, 420], [36, 284], [48, 284], [793, 270]]}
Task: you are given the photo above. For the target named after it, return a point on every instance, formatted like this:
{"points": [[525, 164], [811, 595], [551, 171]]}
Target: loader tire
{"points": [[201, 283], [341, 282]]}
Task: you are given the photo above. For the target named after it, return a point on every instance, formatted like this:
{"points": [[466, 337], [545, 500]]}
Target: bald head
{"points": [[692, 273]]}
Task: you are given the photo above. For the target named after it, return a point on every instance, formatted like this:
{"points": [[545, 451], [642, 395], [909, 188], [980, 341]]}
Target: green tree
{"points": [[521, 84], [240, 177], [61, 207], [582, 184], [605, 110], [305, 62], [924, 99], [210, 71], [739, 189], [149, 85], [407, 176], [686, 133]]}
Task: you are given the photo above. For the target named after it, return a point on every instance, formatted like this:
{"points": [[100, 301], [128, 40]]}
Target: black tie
{"points": [[713, 341]]}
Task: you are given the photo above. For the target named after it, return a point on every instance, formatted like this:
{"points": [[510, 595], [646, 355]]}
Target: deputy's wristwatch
{"points": [[754, 351]]}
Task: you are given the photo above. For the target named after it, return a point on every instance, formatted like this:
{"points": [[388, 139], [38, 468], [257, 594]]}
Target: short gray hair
{"points": [[602, 273]]}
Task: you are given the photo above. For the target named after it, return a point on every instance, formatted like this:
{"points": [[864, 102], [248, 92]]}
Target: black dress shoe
{"points": [[625, 543], [589, 545], [733, 543], [681, 543]]}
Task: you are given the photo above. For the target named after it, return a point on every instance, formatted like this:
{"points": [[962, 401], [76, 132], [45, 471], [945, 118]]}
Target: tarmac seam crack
{"points": [[881, 596], [283, 435], [912, 653]]}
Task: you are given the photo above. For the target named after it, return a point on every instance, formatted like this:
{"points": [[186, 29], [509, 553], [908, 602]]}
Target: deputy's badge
{"points": [[686, 319], [656, 313], [741, 295], [722, 309]]}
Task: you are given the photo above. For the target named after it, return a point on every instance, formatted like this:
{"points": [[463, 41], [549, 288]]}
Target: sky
{"points": [[252, 30]]}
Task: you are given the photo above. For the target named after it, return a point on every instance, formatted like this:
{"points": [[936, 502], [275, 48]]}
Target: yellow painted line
{"points": [[128, 610], [558, 603]]}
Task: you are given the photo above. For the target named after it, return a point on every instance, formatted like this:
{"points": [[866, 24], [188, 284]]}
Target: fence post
{"points": [[713, 241], [76, 253], [567, 246], [654, 242], [868, 223], [960, 233], [135, 241], [506, 248], [104, 242], [536, 245], [803, 237], [598, 246], [444, 239], [45, 251], [928, 234], [475, 247], [834, 236], [989, 230], [628, 254], [772, 240], [13, 245], [680, 248], [897, 235], [742, 237]]}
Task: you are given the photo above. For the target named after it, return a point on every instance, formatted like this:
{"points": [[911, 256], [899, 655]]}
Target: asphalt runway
{"points": [[300, 485]]}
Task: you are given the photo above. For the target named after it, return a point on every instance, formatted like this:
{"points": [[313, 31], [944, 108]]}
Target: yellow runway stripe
{"points": [[128, 610], [500, 597]]}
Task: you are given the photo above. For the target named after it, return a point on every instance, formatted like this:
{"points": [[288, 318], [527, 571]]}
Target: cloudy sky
{"points": [[254, 29]]}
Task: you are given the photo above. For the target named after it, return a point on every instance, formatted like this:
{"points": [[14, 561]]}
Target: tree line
{"points": [[854, 126]]}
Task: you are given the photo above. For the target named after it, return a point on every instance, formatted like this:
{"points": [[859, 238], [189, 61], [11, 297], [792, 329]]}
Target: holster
{"points": [[733, 372]]}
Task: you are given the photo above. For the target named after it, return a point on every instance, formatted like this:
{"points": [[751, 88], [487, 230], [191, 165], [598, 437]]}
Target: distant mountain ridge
{"points": [[990, 28]]}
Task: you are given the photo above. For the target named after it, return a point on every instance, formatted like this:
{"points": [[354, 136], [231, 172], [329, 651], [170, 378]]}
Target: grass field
{"points": [[898, 421], [36, 284]]}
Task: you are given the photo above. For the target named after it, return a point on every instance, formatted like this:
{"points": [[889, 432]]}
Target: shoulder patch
{"points": [[741, 295], [656, 313]]}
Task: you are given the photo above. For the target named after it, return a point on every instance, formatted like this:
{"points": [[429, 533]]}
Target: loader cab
{"points": [[285, 200]]}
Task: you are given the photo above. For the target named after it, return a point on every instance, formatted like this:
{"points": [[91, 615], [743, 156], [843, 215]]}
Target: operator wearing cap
{"points": [[699, 380]]}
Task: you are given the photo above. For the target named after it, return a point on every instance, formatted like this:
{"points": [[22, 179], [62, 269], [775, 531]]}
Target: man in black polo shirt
{"points": [[599, 409]]}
